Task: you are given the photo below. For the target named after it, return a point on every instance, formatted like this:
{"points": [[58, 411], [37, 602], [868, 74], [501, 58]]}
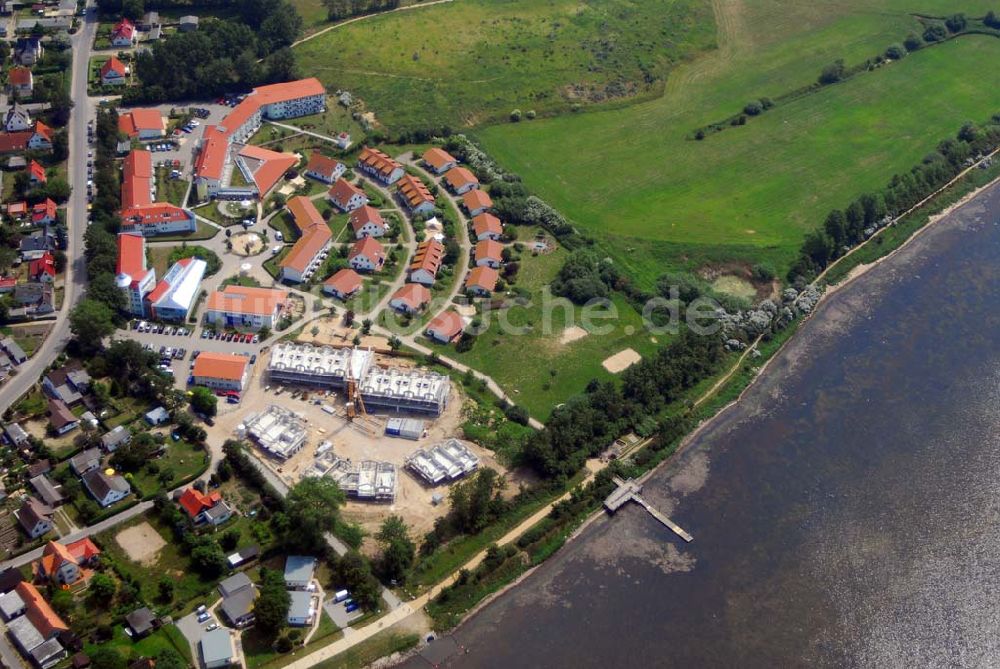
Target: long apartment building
{"points": [[288, 100], [308, 251], [177, 291], [132, 275], [245, 308], [381, 388], [140, 212]]}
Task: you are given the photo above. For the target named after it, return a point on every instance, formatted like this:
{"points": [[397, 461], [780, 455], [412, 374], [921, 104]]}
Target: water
{"points": [[845, 512]]}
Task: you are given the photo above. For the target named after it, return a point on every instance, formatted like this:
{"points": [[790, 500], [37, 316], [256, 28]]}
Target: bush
{"points": [[753, 108], [515, 115], [935, 34], [956, 23], [895, 52], [530, 114], [763, 272], [991, 19], [832, 73], [913, 42]]}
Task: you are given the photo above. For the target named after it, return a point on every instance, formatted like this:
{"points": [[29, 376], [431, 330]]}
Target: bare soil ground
{"points": [[247, 244], [141, 543], [333, 332], [621, 361], [571, 334]]}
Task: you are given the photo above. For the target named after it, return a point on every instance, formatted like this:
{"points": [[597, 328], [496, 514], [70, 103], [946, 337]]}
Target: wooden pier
{"points": [[628, 491]]}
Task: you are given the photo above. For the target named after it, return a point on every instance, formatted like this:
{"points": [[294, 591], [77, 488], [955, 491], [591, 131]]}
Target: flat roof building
{"points": [[444, 462], [278, 431], [299, 570], [175, 294], [368, 480]]}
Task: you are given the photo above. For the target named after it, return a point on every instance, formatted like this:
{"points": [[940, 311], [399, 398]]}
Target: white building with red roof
{"points": [[124, 34], [343, 285], [445, 327], [438, 160], [461, 180], [177, 291], [410, 298], [245, 307], [489, 253], [487, 226], [132, 275], [142, 124], [481, 281], [380, 166], [43, 270], [113, 72], [20, 81], [367, 255], [323, 168], [368, 222], [308, 251], [139, 212], [346, 196], [44, 213], [221, 371]]}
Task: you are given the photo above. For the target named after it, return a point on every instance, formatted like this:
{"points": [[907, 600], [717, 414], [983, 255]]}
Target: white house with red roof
{"points": [[113, 72], [489, 253], [139, 213], [438, 160], [36, 173], [41, 137], [346, 196], [323, 168], [177, 292], [367, 255], [445, 327], [487, 226], [44, 213], [20, 81], [410, 298], [481, 281], [142, 124], [380, 166], [204, 508], [124, 34], [221, 371], [343, 285], [477, 201], [368, 222], [461, 180], [43, 269], [132, 275]]}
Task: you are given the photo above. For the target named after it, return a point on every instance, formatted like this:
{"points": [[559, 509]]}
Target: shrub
{"points": [[913, 42], [956, 23], [530, 114], [895, 52], [515, 115], [832, 73], [935, 34], [753, 108], [991, 19], [766, 103]]}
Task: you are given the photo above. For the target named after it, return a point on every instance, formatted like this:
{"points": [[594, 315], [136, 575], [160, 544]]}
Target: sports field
{"points": [[473, 61]]}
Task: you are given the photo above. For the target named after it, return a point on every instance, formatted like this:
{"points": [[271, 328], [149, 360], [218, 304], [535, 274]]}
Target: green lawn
{"points": [[163, 638], [334, 120], [476, 60], [181, 459], [203, 231], [170, 190]]}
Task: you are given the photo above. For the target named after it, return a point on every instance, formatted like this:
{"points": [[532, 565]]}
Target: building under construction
{"points": [[444, 462], [352, 370], [368, 480], [276, 430]]}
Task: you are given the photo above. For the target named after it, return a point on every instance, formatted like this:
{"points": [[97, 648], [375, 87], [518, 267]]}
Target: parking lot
{"points": [[193, 630]]}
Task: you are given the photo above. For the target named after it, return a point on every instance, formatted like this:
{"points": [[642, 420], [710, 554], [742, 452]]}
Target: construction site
{"points": [[324, 411]]}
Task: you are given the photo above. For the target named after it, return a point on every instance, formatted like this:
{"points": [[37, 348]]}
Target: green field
{"points": [[473, 61]]}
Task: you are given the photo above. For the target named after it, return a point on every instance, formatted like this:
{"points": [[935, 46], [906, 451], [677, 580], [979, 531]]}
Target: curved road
{"points": [[76, 218]]}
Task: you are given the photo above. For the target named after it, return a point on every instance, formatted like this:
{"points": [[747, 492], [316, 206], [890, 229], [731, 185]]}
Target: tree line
{"points": [[343, 9], [846, 228]]}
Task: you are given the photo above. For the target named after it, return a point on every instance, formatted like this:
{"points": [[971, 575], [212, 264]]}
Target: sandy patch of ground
{"points": [[571, 334], [333, 332], [141, 543], [621, 361], [467, 310], [735, 286], [247, 244]]}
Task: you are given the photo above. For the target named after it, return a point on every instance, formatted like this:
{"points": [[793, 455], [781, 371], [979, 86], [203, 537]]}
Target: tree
{"points": [[836, 227], [133, 456], [968, 132], [91, 321], [832, 73], [230, 539], [209, 559], [398, 550], [913, 42], [102, 589], [753, 108], [168, 658], [312, 506], [895, 52], [165, 589], [935, 33], [62, 602], [7, 258], [956, 23], [107, 657], [204, 401], [271, 608]]}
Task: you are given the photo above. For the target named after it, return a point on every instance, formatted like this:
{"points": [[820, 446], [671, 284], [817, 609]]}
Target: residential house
{"points": [[43, 269], [18, 210], [66, 564], [367, 255], [85, 461], [438, 160], [157, 416], [176, 293], [40, 468], [106, 489], [489, 253], [187, 24], [15, 435], [115, 439], [380, 166], [310, 248], [238, 598], [124, 34], [477, 201], [204, 508], [481, 281], [28, 50], [426, 262], [36, 173], [141, 622], [47, 491], [44, 213], [17, 119], [445, 327], [368, 222], [20, 82], [142, 124], [343, 285], [113, 72], [216, 648], [36, 244], [299, 571], [132, 274], [61, 419], [346, 196], [40, 138], [410, 298], [487, 226], [221, 371], [323, 168], [303, 608], [35, 517], [245, 307], [230, 586], [13, 350], [67, 383], [35, 298], [11, 605], [415, 196], [460, 180]]}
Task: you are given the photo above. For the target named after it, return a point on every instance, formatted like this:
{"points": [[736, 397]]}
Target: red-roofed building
{"points": [[221, 371], [20, 81], [15, 142], [438, 160], [39, 612], [213, 154], [17, 209], [461, 180], [410, 298], [266, 167], [44, 212], [481, 281], [343, 285], [367, 255], [415, 196], [139, 212], [477, 201], [66, 564], [41, 137], [36, 173], [346, 196], [323, 168], [489, 253], [43, 269], [487, 226], [202, 508], [426, 262], [124, 34], [8, 285], [306, 254], [368, 222], [445, 327], [380, 166], [132, 275], [113, 72], [142, 124], [245, 307]]}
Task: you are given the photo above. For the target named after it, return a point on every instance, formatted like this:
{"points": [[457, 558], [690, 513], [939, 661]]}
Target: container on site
{"points": [[340, 596]]}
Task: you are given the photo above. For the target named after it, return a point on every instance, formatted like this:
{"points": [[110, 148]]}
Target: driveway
{"points": [[193, 631]]}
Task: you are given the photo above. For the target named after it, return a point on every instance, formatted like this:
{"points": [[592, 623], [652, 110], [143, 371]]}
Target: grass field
{"points": [[474, 61]]}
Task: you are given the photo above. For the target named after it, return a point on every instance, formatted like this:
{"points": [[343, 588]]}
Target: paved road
{"points": [[76, 216]]}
